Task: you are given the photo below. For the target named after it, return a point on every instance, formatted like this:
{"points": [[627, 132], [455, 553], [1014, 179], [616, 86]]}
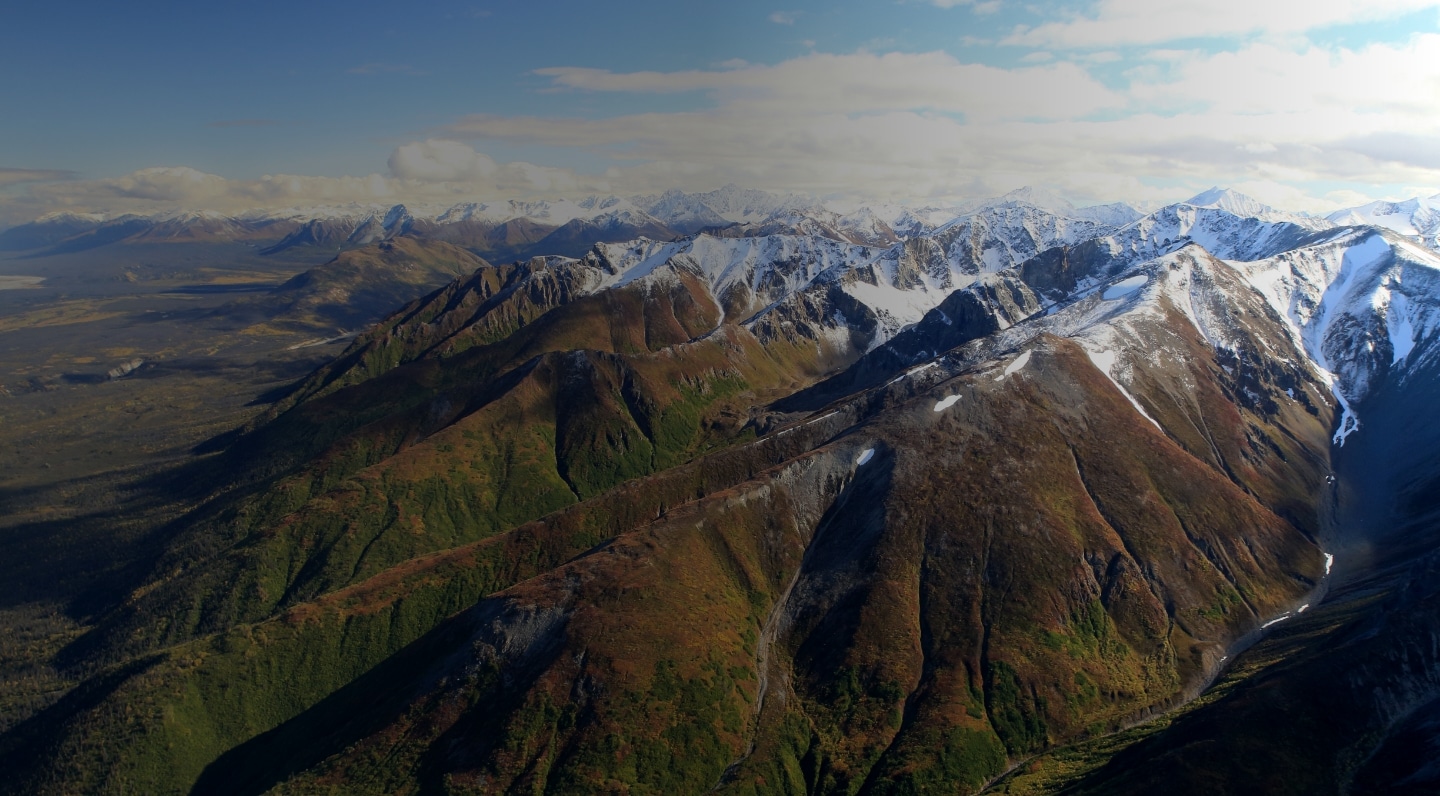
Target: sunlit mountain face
{"points": [[939, 397], [882, 499]]}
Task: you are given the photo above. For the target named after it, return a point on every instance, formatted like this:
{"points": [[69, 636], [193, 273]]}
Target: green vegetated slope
{"points": [[1036, 564], [838, 628], [1295, 715], [523, 430], [1340, 698], [445, 451], [486, 306]]}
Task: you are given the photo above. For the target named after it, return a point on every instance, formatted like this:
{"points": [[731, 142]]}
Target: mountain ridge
{"points": [[680, 515]]}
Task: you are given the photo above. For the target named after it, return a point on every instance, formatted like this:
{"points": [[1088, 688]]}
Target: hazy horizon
{"points": [[1305, 106]]}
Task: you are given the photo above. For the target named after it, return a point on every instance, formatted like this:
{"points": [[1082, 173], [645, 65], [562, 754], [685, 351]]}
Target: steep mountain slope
{"points": [[1360, 301], [992, 239], [858, 613], [320, 233], [575, 237], [638, 423], [879, 640], [1342, 699], [48, 230], [1417, 219], [791, 513], [878, 291], [690, 213], [502, 239], [1222, 232], [731, 204], [492, 307], [578, 408]]}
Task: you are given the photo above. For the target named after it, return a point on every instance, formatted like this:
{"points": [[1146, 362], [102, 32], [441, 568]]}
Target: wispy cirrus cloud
{"points": [[9, 176], [784, 17], [868, 83]]}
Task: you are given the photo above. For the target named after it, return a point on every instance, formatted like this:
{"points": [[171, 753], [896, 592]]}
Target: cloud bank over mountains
{"points": [[1134, 100]]}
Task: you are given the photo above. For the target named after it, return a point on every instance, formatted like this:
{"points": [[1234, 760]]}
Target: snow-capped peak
{"points": [[70, 216], [1231, 202], [1042, 198], [1116, 214], [1416, 218], [1360, 302]]}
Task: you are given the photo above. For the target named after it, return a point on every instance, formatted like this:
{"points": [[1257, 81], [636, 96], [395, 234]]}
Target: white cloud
{"points": [[438, 160], [923, 124], [784, 17], [868, 83], [1349, 198], [168, 187], [1288, 197], [1403, 81], [180, 184], [915, 126], [434, 171], [1130, 22]]}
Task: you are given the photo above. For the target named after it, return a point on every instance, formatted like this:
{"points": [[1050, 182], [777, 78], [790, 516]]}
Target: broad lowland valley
{"points": [[725, 492]]}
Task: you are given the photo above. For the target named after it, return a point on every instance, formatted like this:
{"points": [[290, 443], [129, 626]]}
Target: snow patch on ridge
{"points": [[1125, 287], [1015, 366], [1104, 361]]}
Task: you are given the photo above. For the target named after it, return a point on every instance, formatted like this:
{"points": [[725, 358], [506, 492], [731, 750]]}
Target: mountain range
{"points": [[506, 230], [734, 492]]}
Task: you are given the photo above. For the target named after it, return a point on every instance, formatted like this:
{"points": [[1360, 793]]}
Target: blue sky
{"points": [[337, 84], [150, 106]]}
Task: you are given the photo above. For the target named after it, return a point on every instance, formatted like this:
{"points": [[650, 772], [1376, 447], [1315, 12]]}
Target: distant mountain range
{"points": [[516, 229], [733, 492], [510, 230]]}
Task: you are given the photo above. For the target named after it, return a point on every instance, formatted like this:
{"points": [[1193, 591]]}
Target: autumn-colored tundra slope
{"points": [[593, 554]]}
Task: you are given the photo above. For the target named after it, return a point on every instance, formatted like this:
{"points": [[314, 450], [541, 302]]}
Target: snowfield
{"points": [[1124, 287]]}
